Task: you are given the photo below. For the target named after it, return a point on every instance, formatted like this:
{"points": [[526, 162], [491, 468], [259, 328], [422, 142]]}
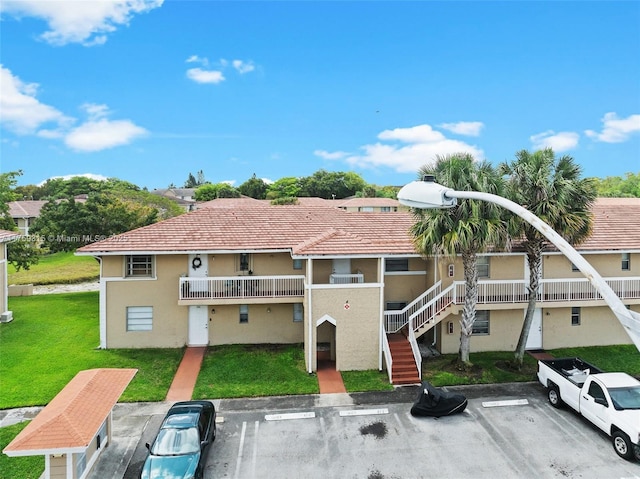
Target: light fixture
{"points": [[268, 309]]}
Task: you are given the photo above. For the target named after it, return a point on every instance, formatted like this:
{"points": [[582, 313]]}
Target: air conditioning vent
{"points": [[6, 317]]}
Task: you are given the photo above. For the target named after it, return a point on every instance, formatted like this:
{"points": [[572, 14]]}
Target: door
{"points": [[596, 412], [198, 326], [534, 340], [339, 267], [198, 268]]}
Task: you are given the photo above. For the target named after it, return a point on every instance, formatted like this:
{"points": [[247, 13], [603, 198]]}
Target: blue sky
{"points": [[149, 91]]}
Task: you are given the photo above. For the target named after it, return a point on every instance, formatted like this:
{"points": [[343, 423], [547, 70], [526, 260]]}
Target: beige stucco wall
{"points": [[404, 287], [357, 328], [276, 326], [598, 327], [607, 265], [3, 276], [170, 321]]}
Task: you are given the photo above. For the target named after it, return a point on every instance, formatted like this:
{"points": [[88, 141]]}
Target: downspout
{"points": [[102, 306], [309, 316], [381, 330], [435, 280]]}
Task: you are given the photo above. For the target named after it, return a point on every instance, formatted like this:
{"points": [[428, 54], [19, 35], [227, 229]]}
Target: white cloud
{"points": [[561, 141], [411, 149], [616, 130], [22, 113], [243, 67], [101, 134], [85, 22], [199, 75], [336, 155], [469, 128]]}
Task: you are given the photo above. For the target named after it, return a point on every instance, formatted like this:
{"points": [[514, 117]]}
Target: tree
{"points": [[467, 229], [254, 188], [287, 187], [194, 182], [551, 188], [211, 191], [618, 187], [328, 184]]}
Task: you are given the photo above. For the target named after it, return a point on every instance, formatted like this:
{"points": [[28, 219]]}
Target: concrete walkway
{"points": [[184, 381], [181, 389]]}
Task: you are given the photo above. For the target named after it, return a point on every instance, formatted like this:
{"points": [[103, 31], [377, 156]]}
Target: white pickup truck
{"points": [[611, 401]]}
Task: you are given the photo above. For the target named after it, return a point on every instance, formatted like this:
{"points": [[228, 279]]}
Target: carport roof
{"points": [[73, 418]]}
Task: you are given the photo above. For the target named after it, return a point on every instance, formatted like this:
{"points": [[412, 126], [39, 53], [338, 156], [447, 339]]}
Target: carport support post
{"points": [[428, 194]]}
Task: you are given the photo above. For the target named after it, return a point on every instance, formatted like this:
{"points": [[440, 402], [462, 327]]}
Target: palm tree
{"points": [[467, 229], [551, 188]]}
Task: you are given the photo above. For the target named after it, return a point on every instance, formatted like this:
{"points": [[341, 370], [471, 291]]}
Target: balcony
{"points": [[222, 288], [337, 278]]}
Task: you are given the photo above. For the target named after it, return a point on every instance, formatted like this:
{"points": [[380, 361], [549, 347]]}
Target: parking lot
{"points": [[505, 432]]}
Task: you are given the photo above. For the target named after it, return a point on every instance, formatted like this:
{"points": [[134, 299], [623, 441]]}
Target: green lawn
{"points": [[54, 336], [29, 467], [623, 357], [57, 268], [245, 371]]}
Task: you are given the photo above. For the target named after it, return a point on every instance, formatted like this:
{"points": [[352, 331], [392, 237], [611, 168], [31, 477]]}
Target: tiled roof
{"points": [[616, 225], [72, 418], [363, 202], [8, 235], [309, 230], [26, 208]]}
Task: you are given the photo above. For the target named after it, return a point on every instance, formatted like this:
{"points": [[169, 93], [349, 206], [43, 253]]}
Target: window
{"points": [[138, 265], [297, 264], [481, 324], [574, 267], [244, 313], [366, 209], [397, 264], [244, 262], [482, 266], [297, 312], [385, 209], [626, 261], [139, 318], [395, 305], [596, 392], [575, 316]]}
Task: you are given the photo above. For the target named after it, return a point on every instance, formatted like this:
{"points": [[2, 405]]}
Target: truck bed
{"points": [[574, 369]]}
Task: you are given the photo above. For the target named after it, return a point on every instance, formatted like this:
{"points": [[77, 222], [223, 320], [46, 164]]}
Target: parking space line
{"points": [[239, 460], [254, 456], [506, 402], [364, 412], [292, 415]]}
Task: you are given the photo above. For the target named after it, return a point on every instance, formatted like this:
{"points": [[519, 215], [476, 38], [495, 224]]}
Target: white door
{"points": [[198, 326], [198, 268], [534, 340]]}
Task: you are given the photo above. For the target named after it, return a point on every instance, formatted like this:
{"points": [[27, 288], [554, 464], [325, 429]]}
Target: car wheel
{"points": [[553, 394], [622, 445]]}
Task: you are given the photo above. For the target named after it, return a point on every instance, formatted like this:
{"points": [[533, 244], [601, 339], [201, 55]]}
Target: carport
{"points": [[75, 427]]}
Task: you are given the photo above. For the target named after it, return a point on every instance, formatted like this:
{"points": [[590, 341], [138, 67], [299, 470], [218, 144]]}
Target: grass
{"points": [[489, 367], [361, 381], [57, 268], [29, 467], [623, 357], [54, 336], [247, 371]]}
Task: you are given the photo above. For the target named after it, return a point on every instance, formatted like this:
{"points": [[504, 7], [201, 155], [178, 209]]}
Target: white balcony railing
{"points": [[508, 291], [337, 278], [241, 287]]}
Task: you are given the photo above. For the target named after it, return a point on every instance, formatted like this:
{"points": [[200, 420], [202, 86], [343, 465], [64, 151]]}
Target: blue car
{"points": [[179, 451]]}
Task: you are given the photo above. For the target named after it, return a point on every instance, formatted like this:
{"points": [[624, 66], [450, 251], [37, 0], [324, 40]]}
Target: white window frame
{"points": [[297, 263], [138, 266], [482, 323], [626, 262], [139, 318], [483, 266], [240, 265], [575, 316], [244, 314], [298, 313], [396, 263]]}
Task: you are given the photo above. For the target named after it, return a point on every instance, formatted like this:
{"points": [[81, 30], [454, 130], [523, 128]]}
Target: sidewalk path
{"points": [[184, 381], [329, 380]]}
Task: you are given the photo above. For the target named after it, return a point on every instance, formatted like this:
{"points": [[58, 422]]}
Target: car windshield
{"points": [[175, 442], [626, 398]]}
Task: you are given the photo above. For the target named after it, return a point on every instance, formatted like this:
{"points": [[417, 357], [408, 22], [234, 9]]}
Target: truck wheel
{"points": [[622, 445], [553, 394]]}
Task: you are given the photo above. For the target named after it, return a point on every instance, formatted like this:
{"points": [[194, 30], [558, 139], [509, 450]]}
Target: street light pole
{"points": [[428, 194]]}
